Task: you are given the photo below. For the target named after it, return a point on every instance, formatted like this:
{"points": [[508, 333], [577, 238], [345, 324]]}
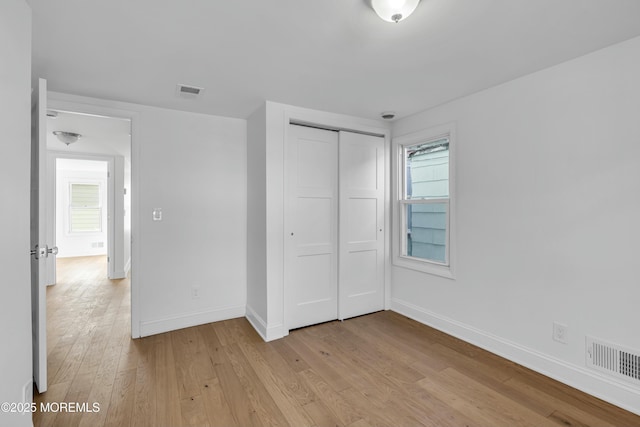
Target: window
{"points": [[85, 212], [424, 201]]}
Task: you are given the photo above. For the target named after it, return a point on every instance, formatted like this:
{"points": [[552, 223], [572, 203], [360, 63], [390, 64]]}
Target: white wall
{"points": [[78, 244], [548, 230], [256, 216], [15, 116], [193, 167]]}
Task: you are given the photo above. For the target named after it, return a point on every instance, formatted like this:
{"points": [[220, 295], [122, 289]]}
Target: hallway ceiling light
{"points": [[394, 10], [67, 137]]}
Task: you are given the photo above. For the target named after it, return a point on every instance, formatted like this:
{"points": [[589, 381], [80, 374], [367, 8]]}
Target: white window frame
{"points": [[399, 144], [70, 208]]}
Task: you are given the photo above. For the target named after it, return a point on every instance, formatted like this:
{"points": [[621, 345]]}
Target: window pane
{"points": [[427, 170], [427, 231], [85, 212], [86, 219], [85, 195]]}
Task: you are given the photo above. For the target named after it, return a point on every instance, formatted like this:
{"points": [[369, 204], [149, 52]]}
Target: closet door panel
{"points": [[361, 212], [311, 224]]}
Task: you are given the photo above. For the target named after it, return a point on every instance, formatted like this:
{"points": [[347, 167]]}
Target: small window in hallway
{"points": [[85, 211]]}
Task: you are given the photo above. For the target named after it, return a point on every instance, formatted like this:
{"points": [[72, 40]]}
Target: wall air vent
{"points": [[613, 360], [186, 91]]}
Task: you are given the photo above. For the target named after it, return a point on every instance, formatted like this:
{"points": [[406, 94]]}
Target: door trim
{"points": [[333, 128]]}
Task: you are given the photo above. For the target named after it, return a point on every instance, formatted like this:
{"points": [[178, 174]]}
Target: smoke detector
{"points": [[388, 115], [188, 91]]}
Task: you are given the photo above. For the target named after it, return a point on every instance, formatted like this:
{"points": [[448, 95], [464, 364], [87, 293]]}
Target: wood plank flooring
{"points": [[377, 370]]}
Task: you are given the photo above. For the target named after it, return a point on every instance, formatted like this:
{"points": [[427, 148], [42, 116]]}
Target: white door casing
{"points": [[311, 224], [362, 220], [39, 234]]}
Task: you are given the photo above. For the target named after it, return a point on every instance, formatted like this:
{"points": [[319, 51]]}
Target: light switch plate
{"points": [[157, 214]]}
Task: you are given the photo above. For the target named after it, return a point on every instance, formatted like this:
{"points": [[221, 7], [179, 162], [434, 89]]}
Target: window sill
{"points": [[424, 267]]}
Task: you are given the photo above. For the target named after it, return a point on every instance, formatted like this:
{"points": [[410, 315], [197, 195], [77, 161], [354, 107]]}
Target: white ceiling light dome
{"points": [[394, 10], [67, 137]]}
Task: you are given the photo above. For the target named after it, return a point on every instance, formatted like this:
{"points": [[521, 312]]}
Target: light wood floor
{"points": [[382, 369]]}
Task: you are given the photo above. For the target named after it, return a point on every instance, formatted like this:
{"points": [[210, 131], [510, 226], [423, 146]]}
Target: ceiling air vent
{"points": [[614, 360], [186, 91]]}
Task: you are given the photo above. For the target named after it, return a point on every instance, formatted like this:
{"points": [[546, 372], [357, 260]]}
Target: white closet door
{"points": [[311, 224], [361, 239]]}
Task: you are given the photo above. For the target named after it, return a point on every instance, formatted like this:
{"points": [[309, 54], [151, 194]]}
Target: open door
{"points": [[39, 249]]}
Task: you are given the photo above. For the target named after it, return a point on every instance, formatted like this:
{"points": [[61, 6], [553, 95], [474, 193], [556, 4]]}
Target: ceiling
{"points": [[100, 135], [333, 55]]}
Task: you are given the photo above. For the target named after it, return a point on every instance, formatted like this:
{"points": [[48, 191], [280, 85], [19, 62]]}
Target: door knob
{"points": [[53, 250], [38, 252]]}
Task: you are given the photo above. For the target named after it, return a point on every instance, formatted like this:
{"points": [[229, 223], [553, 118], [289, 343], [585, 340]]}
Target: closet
{"points": [[333, 224]]}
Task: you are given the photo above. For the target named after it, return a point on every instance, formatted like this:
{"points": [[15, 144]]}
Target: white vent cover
{"points": [[187, 91], [613, 359]]}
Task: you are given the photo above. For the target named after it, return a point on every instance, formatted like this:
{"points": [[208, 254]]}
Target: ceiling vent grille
{"points": [[187, 91], [614, 360]]}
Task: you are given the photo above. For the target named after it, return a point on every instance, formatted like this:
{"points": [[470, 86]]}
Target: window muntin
{"points": [[85, 211]]}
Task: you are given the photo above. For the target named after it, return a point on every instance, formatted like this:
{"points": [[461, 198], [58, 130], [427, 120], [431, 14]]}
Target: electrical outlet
{"points": [[560, 333], [195, 292]]}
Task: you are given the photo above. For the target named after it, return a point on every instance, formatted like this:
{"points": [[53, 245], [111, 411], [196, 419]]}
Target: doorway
{"points": [[83, 211], [89, 219], [89, 190]]}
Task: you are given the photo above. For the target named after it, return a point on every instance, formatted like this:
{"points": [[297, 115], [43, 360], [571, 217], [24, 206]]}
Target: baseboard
{"points": [[118, 275], [268, 333], [79, 254], [619, 394], [153, 327]]}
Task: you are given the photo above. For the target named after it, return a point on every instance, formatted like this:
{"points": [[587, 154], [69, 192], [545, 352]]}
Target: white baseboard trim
{"points": [[617, 393], [268, 333], [118, 275], [153, 327], [81, 254]]}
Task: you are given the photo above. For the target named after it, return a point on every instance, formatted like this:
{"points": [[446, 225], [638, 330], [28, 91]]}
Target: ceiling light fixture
{"points": [[394, 10], [67, 137]]}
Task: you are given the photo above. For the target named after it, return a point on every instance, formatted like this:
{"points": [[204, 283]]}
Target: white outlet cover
{"points": [[560, 333]]}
